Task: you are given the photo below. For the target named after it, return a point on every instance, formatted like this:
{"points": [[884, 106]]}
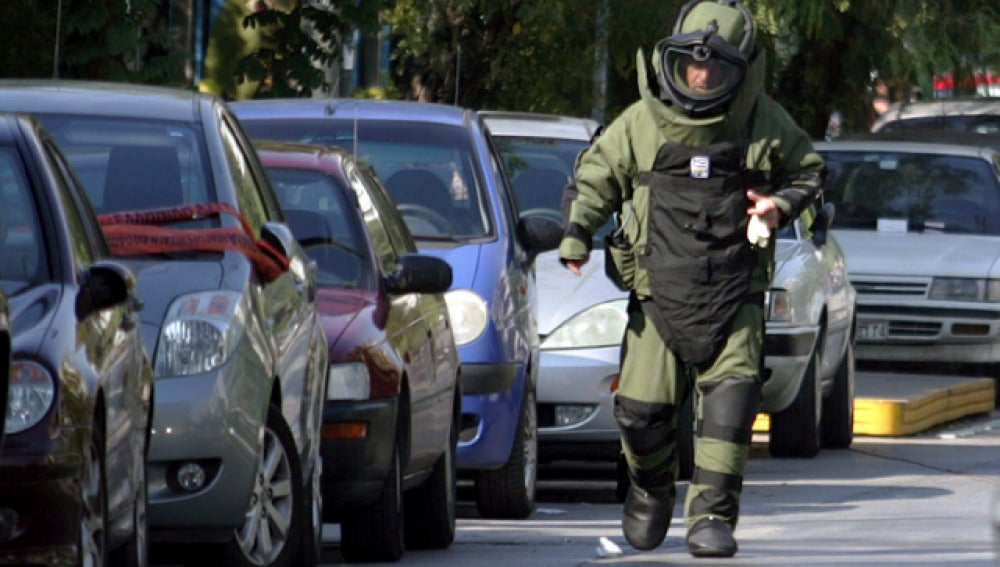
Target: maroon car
{"points": [[393, 402]]}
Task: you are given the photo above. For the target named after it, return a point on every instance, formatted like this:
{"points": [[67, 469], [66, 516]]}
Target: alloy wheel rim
{"points": [[268, 518]]}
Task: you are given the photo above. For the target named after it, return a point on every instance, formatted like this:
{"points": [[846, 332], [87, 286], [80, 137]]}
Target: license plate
{"points": [[872, 330]]}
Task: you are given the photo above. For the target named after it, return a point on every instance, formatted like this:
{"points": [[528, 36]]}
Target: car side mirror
{"points": [[280, 236], [539, 233], [821, 224], [106, 284], [419, 273]]}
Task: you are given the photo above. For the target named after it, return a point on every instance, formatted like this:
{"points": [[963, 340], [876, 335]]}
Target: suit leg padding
{"points": [[647, 431]]}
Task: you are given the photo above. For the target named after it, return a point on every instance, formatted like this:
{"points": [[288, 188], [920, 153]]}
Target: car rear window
{"points": [[912, 191], [430, 170], [133, 164]]}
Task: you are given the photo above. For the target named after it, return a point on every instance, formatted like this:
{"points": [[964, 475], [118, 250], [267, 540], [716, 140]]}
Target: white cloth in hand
{"points": [[758, 233]]}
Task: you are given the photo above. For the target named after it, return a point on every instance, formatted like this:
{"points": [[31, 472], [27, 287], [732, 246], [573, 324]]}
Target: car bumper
{"points": [[216, 420], [489, 420], [578, 380], [926, 334], [787, 352], [355, 468], [40, 509]]}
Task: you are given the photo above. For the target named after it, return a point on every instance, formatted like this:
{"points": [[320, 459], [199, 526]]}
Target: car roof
{"points": [[96, 98], [503, 123], [971, 106], [363, 109], [930, 135], [299, 155], [882, 143]]}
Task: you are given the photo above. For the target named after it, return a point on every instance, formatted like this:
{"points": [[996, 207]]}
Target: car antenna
{"points": [[355, 130]]}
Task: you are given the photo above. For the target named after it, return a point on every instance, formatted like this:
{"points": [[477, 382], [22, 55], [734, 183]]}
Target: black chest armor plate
{"points": [[698, 258]]}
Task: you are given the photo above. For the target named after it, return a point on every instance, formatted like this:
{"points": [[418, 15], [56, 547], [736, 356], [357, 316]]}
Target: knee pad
{"points": [[645, 426], [728, 408]]}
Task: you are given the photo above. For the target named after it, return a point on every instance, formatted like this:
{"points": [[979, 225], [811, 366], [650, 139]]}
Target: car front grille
{"points": [[890, 288], [913, 329]]}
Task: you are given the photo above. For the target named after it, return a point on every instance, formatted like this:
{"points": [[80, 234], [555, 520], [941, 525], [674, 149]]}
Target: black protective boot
{"points": [[711, 537], [645, 518]]}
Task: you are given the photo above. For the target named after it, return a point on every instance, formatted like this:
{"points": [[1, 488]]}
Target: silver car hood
{"points": [[919, 253], [562, 295]]}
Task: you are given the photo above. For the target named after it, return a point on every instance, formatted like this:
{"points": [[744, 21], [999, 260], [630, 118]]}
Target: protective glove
{"points": [[758, 233]]}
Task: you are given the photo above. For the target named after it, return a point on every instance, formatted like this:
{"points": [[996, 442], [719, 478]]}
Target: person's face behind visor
{"points": [[705, 77]]}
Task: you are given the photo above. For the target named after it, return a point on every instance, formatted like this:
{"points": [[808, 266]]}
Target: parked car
{"points": [[582, 321], [77, 418], [4, 350], [920, 224], [393, 403], [238, 353], [971, 115], [446, 179]]}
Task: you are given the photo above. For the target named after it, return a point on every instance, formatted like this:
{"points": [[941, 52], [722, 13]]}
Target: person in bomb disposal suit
{"points": [[700, 170]]}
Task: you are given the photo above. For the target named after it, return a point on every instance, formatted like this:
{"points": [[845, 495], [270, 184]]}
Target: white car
{"points": [[581, 320], [920, 223], [975, 115]]}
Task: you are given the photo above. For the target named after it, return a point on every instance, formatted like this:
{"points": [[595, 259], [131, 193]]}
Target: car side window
{"points": [[381, 242], [509, 208], [395, 226], [244, 181], [81, 211], [23, 257]]}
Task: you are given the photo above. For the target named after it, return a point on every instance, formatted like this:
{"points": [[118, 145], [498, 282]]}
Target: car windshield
{"points": [[912, 191], [539, 170], [323, 220], [134, 164], [23, 258], [430, 170]]}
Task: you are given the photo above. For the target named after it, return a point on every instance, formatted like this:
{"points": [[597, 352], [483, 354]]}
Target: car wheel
{"points": [[134, 553], [93, 520], [273, 521], [375, 532], [795, 429], [311, 544], [430, 508], [838, 408], [509, 492]]}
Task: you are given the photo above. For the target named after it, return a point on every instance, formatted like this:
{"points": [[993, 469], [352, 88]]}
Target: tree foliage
{"points": [[112, 40]]}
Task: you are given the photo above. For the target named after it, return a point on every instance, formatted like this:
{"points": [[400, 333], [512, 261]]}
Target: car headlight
{"points": [[600, 325], [777, 305], [348, 382], [32, 389], [468, 314], [199, 333], [965, 289]]}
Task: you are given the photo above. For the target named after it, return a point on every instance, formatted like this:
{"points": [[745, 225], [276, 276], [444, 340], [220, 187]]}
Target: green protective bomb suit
{"points": [[647, 166]]}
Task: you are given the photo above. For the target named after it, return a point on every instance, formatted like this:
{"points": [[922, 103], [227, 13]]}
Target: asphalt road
{"points": [[919, 500]]}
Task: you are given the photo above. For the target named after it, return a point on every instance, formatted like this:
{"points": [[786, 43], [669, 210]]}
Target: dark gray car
{"points": [[239, 356]]}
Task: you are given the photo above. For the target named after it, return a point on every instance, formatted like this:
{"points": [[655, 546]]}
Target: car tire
{"points": [[795, 430], [135, 551], [94, 516], [838, 407], [311, 541], [509, 492], [429, 509], [375, 532], [279, 491]]}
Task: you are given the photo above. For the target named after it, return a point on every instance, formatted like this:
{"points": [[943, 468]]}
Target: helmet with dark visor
{"points": [[700, 71]]}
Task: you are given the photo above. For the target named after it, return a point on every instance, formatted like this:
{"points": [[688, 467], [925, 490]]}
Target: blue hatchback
{"points": [[441, 168]]}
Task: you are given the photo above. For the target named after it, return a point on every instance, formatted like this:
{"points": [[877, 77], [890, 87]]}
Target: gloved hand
{"points": [[758, 232]]}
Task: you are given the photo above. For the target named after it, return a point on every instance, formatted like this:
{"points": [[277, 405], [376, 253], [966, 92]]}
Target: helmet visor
{"points": [[702, 73]]}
